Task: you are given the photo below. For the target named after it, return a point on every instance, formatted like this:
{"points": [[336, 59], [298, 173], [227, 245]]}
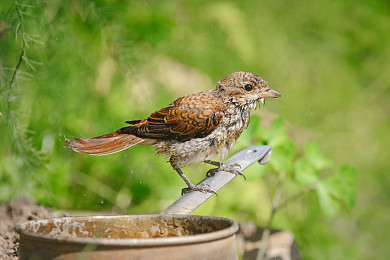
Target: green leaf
{"points": [[328, 205], [347, 174], [350, 196], [342, 185], [277, 133], [315, 156], [305, 173], [343, 192], [282, 157]]}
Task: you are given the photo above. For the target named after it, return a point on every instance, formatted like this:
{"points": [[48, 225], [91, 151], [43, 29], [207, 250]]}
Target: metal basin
{"points": [[129, 237]]}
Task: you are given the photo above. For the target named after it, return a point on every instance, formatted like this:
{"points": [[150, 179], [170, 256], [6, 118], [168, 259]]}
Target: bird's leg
{"points": [[221, 167], [191, 186], [211, 172], [212, 162]]}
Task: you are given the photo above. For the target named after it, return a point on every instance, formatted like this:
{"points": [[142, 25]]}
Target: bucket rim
{"points": [[130, 242]]}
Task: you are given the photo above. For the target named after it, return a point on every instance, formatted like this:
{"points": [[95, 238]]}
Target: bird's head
{"points": [[245, 88]]}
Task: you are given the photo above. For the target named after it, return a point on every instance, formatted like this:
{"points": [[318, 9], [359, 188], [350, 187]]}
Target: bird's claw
{"points": [[211, 172], [204, 188], [231, 169]]}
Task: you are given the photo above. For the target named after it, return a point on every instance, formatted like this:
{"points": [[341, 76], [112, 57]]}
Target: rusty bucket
{"points": [[129, 237]]}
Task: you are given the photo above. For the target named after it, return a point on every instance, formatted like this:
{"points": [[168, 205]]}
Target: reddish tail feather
{"points": [[105, 144]]}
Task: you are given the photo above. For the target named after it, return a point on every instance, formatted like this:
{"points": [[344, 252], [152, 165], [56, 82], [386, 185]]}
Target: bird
{"points": [[194, 128]]}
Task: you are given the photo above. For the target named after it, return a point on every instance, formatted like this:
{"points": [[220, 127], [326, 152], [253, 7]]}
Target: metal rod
{"points": [[187, 203]]}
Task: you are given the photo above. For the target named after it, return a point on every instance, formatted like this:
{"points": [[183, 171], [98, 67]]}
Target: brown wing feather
{"points": [[188, 117]]}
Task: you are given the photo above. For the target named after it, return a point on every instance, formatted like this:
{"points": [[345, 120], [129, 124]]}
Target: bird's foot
{"points": [[204, 188], [223, 168]]}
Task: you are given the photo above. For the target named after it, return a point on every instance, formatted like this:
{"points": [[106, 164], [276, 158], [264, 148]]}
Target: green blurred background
{"points": [[88, 66]]}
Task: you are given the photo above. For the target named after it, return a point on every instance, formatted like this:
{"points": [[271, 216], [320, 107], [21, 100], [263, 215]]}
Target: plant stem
{"points": [[275, 207], [295, 196], [274, 201]]}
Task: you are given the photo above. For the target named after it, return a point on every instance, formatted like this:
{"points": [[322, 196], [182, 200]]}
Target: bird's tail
{"points": [[105, 144]]}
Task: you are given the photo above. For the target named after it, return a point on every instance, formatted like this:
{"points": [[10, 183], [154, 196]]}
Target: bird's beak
{"points": [[269, 93]]}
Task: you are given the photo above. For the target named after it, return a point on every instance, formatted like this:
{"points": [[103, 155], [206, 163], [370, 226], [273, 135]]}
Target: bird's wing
{"points": [[188, 117]]}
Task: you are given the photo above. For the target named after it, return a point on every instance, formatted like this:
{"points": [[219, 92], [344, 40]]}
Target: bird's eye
{"points": [[248, 87]]}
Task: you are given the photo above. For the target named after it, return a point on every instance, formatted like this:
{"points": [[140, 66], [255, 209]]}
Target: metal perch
{"points": [[187, 203]]}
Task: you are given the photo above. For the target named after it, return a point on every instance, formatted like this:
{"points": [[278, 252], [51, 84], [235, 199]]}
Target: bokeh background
{"points": [[88, 66]]}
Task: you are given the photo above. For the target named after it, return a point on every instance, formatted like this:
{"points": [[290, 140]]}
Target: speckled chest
{"points": [[236, 120]]}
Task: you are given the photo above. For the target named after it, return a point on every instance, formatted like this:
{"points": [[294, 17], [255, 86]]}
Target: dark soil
{"points": [[15, 212]]}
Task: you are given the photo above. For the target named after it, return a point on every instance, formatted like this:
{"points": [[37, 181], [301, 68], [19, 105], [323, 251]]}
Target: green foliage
{"points": [[81, 68], [307, 170]]}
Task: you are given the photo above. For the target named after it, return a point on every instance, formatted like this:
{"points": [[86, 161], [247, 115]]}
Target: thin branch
{"points": [[9, 10], [22, 52], [274, 201], [295, 196], [275, 207]]}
